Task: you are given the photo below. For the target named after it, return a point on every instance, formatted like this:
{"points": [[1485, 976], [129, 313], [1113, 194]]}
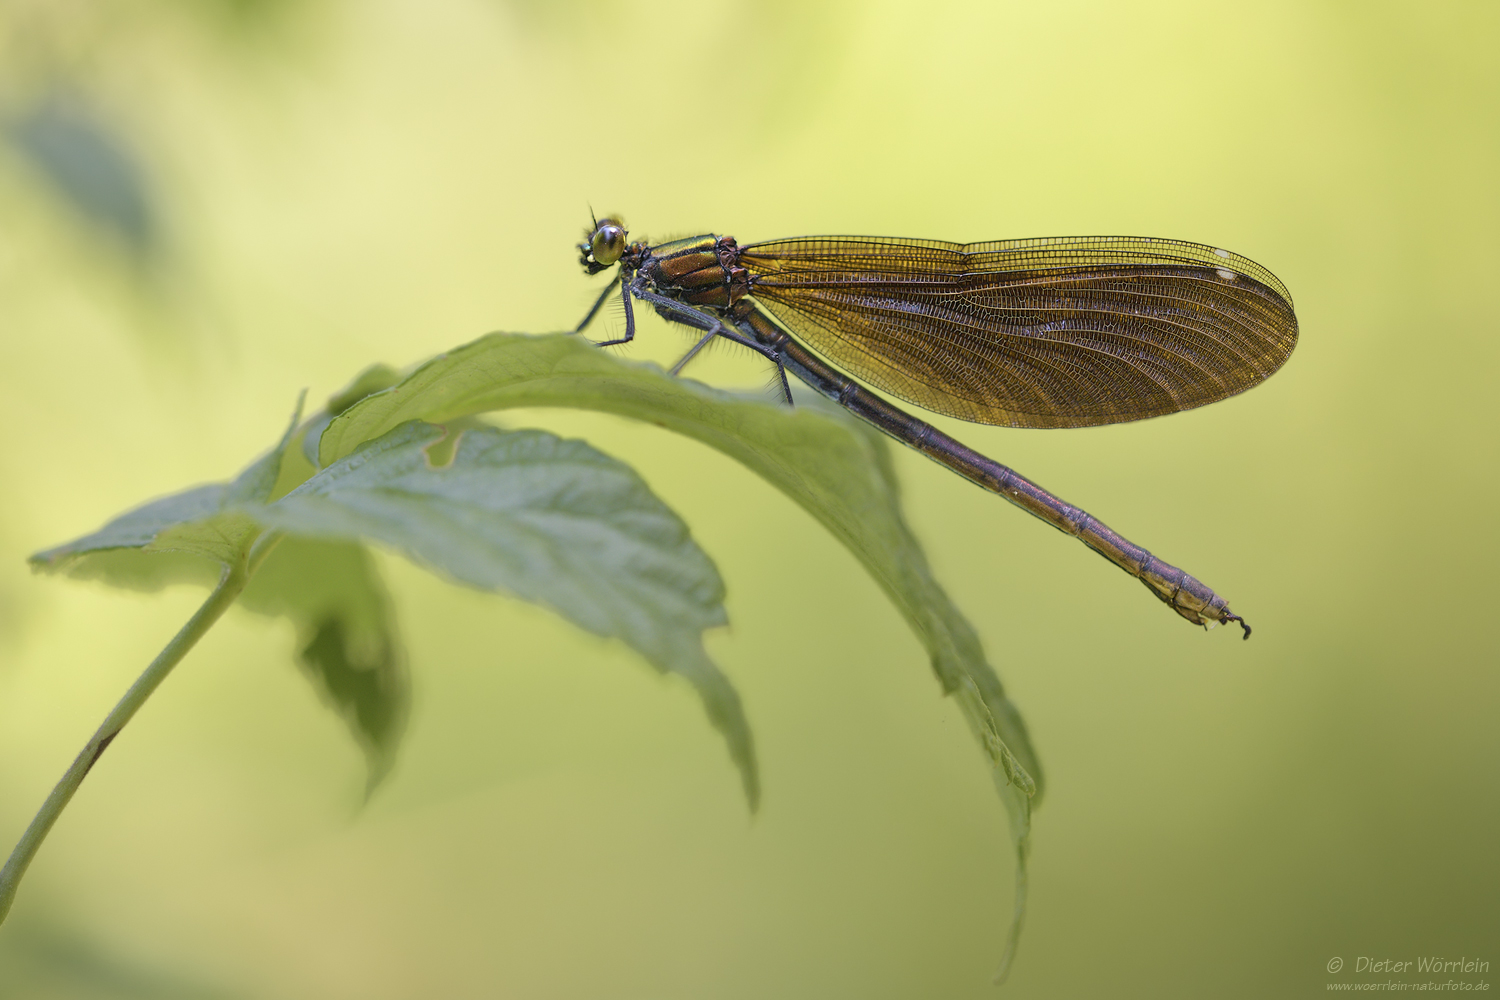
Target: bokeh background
{"points": [[206, 207]]}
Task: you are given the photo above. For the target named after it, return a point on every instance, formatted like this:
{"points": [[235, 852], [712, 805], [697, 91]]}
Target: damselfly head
{"points": [[605, 246]]}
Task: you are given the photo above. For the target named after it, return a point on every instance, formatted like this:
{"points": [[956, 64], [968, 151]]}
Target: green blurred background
{"points": [[206, 207]]}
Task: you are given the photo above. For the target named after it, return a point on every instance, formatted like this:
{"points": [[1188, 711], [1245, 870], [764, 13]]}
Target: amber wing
{"points": [[1059, 332]]}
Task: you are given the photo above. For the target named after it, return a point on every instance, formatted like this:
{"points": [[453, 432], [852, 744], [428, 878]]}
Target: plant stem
{"points": [[231, 582]]}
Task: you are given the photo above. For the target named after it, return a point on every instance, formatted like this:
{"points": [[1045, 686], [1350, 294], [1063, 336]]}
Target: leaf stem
{"points": [[231, 582]]}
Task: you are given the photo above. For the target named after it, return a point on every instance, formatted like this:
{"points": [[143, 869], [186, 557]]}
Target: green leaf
{"points": [[372, 379], [548, 520], [201, 523], [832, 465], [347, 643], [346, 637]]}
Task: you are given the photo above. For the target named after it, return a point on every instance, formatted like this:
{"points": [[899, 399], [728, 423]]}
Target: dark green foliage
{"points": [[346, 635]]}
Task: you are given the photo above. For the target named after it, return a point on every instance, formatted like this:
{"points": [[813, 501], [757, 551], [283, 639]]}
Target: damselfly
{"points": [[1055, 332]]}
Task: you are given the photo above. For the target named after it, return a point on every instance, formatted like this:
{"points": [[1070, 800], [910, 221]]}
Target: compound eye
{"points": [[608, 242]]}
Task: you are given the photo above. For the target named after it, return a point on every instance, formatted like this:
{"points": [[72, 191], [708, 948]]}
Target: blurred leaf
{"points": [[346, 636], [204, 521], [90, 166], [832, 465], [547, 520], [41, 962]]}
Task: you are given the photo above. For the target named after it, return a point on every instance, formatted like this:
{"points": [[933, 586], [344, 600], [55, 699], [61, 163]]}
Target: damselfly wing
{"points": [[1067, 332]]}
